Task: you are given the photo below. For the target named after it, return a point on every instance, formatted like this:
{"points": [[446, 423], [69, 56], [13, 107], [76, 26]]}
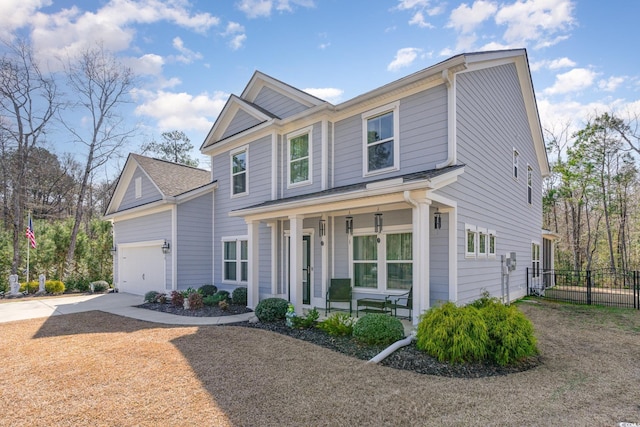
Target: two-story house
{"points": [[423, 184]]}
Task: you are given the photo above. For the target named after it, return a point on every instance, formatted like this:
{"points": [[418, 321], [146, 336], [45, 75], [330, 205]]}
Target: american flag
{"points": [[30, 235]]}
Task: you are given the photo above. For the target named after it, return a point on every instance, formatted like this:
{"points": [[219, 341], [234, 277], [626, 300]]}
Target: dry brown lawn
{"points": [[103, 370]]}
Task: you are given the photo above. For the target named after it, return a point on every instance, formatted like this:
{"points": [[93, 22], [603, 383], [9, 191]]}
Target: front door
{"points": [[307, 268]]}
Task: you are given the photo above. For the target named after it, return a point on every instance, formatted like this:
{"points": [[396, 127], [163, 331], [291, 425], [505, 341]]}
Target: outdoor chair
{"points": [[339, 291], [404, 301]]}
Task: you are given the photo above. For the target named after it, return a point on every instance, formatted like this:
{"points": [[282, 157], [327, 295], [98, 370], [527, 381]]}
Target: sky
{"points": [[191, 55]]}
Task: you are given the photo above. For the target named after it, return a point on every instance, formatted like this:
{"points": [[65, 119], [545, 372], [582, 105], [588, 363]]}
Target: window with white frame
{"points": [[138, 185], [492, 243], [535, 259], [235, 260], [471, 243], [482, 242], [387, 265], [381, 144], [239, 162], [516, 157], [300, 158], [529, 181]]}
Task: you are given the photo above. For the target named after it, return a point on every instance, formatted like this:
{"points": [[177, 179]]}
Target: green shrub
{"points": [[485, 301], [224, 305], [306, 322], [188, 292], [150, 296], [376, 329], [54, 286], [99, 286], [511, 335], [338, 324], [177, 299], [454, 334], [195, 301], [239, 296], [207, 290], [271, 309], [31, 287], [214, 299]]}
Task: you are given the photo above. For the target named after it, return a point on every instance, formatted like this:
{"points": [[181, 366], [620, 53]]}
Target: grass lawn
{"points": [[99, 369]]}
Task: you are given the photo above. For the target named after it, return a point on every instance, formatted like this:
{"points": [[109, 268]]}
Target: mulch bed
{"points": [[407, 358]]}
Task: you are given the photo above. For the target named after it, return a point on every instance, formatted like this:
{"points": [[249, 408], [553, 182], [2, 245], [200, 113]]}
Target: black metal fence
{"points": [[615, 288]]}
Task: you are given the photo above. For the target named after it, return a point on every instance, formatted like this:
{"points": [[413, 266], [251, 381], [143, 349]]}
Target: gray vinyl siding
{"points": [[241, 121], [156, 226], [259, 190], [439, 261], [491, 122], [422, 137], [316, 165], [276, 103], [194, 248], [150, 192]]}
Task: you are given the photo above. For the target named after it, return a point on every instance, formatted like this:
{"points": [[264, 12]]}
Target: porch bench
{"points": [[372, 305]]}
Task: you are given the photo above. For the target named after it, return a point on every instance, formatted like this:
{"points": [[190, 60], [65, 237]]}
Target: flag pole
{"points": [[28, 245]]}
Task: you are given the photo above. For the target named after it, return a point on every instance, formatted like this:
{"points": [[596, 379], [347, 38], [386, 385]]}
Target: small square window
{"points": [[516, 157], [471, 241], [529, 181]]}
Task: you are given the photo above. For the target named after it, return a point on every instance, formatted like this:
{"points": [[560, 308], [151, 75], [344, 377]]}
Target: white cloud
{"points": [[465, 19], [187, 55], [572, 81], [404, 58], [552, 64], [536, 20], [182, 111], [330, 94], [16, 14], [418, 19], [412, 4], [611, 84], [149, 64], [236, 32], [263, 8]]}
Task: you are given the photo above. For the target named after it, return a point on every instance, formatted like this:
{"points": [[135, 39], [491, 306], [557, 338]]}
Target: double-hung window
{"points": [[387, 265], [399, 248], [235, 254], [482, 242], [381, 142], [300, 157], [239, 166], [365, 261]]}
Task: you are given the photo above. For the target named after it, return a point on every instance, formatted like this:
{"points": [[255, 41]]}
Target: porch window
{"points": [[399, 261], [239, 172], [365, 261], [300, 158], [381, 145], [535, 259], [235, 261]]}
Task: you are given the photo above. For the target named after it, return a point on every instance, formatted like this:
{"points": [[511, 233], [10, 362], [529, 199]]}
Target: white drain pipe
{"points": [[393, 347]]}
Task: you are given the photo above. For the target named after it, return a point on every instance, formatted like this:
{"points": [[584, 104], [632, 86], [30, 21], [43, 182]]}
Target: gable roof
{"points": [[171, 179]]}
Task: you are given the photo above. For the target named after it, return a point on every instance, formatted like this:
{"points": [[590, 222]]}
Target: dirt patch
{"points": [[99, 369]]}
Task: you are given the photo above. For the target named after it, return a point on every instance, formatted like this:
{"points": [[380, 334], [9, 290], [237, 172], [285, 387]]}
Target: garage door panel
{"points": [[142, 269]]}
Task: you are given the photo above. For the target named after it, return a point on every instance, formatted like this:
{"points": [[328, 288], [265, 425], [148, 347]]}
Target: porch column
{"points": [[253, 243], [421, 285], [324, 249], [295, 262]]}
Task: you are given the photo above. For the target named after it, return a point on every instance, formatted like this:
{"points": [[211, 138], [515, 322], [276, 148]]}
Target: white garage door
{"points": [[142, 269]]}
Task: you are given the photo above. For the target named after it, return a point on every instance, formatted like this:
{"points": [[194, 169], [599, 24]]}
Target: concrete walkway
{"points": [[121, 304]]}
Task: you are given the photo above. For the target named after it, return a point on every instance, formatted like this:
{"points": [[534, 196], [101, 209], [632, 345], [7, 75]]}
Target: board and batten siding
{"points": [[241, 121], [491, 122], [194, 245], [276, 103], [422, 135], [149, 193], [145, 228]]}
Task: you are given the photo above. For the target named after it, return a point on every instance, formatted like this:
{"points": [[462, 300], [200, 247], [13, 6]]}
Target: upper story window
{"points": [[529, 181], [239, 164], [300, 158], [138, 185], [381, 142], [516, 156]]}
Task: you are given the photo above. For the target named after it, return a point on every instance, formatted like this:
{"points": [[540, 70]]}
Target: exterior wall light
{"points": [[349, 224], [166, 248]]}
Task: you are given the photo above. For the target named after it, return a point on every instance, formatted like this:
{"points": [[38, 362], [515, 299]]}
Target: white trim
{"points": [[138, 187], [529, 185], [174, 248], [482, 232], [232, 154], [274, 166], [394, 108], [324, 155], [301, 132]]}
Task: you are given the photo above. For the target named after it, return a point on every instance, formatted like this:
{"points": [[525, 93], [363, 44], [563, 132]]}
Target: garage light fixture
{"points": [[166, 248], [114, 249]]}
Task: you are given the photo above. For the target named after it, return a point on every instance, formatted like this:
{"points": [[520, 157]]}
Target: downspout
{"points": [[393, 347], [450, 82]]}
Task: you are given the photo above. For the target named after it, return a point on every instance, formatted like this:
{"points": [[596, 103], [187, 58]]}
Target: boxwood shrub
{"points": [[271, 309], [373, 328], [207, 290], [239, 296]]}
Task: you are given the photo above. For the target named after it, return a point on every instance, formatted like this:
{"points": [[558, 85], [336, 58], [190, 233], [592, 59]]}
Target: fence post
{"points": [[636, 291], [588, 287], [528, 290]]}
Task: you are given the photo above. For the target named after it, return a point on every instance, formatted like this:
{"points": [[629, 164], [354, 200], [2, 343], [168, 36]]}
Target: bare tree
{"points": [[102, 85], [28, 102]]}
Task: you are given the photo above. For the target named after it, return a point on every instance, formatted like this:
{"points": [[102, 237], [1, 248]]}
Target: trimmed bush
{"points": [[195, 301], [306, 322], [338, 325], [54, 286], [511, 335], [213, 300], [207, 290], [239, 296], [150, 296], [100, 286], [177, 299], [31, 287], [271, 309], [378, 329], [454, 334]]}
